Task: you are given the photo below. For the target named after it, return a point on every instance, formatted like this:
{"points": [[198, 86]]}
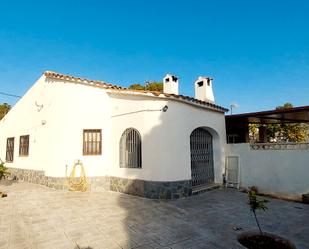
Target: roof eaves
{"points": [[115, 88], [180, 98]]}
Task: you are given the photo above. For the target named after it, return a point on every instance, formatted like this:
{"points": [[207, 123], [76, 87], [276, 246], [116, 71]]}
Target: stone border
{"points": [[151, 189], [148, 189], [38, 177]]}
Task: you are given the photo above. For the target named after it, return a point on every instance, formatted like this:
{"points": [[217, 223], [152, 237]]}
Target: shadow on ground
{"points": [[204, 221], [210, 220]]}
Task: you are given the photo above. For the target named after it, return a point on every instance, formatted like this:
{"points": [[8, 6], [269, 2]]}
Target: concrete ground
{"points": [[37, 217]]}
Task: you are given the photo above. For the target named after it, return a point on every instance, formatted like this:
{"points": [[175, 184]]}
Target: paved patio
{"points": [[37, 217]]}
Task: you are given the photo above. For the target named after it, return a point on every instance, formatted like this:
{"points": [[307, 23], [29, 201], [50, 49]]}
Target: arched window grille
{"points": [[130, 149]]}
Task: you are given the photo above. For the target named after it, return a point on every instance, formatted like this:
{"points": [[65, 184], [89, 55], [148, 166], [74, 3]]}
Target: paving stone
{"points": [[4, 243], [54, 245], [106, 244], [186, 244], [38, 217]]}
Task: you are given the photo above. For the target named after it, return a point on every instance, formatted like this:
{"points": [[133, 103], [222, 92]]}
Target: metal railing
{"points": [[279, 146], [130, 149]]}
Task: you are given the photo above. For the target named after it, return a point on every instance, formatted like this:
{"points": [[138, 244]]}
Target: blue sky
{"points": [[256, 51]]}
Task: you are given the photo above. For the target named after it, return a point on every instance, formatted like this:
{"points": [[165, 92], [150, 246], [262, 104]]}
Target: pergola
{"points": [[237, 126]]}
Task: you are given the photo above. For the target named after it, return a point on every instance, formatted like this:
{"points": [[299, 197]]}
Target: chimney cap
{"points": [[203, 89], [204, 77], [173, 76], [170, 84]]}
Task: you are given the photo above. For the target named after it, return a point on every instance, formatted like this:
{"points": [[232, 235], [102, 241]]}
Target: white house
{"points": [[157, 145]]}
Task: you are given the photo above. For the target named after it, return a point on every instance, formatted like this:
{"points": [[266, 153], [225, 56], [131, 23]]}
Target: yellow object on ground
{"points": [[78, 183]]}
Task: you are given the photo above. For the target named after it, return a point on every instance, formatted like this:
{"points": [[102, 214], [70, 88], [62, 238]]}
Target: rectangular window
{"points": [[24, 145], [9, 157], [92, 142]]}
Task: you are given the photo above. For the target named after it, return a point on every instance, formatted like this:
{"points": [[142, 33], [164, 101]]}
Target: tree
{"points": [[294, 132], [282, 132], [4, 109], [137, 87], [288, 132], [285, 106], [253, 132], [255, 204], [153, 86]]}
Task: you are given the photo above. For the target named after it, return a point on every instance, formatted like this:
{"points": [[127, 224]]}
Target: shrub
{"points": [[3, 171], [254, 188]]}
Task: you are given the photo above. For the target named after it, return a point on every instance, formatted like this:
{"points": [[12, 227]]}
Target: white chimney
{"points": [[203, 89], [170, 84]]}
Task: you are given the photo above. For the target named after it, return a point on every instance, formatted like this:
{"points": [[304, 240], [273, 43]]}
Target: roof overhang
{"points": [[290, 115], [173, 97]]}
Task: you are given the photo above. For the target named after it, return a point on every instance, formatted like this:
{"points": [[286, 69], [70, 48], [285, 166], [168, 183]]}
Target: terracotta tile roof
{"points": [[119, 89], [96, 83]]}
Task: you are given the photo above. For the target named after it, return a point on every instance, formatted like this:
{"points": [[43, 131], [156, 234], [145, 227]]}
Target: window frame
{"points": [[125, 152], [7, 153], [85, 143], [24, 147]]}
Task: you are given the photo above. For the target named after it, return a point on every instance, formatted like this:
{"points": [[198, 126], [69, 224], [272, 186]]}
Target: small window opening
{"points": [[201, 83], [174, 78]]}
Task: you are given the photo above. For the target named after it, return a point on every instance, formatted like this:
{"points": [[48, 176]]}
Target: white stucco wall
{"points": [[69, 108], [278, 172], [165, 137], [25, 119]]}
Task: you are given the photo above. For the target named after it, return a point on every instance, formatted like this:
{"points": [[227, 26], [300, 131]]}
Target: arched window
{"points": [[130, 149]]}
